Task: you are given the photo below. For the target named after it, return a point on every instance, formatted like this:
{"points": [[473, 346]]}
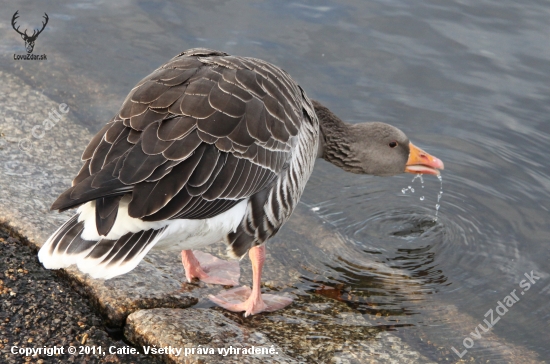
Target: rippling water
{"points": [[468, 81]]}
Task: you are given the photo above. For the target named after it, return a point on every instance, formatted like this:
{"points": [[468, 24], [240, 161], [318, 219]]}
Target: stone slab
{"points": [[202, 334]]}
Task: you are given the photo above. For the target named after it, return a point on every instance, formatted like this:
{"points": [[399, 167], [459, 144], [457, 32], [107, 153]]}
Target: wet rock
{"points": [[308, 332], [202, 335]]}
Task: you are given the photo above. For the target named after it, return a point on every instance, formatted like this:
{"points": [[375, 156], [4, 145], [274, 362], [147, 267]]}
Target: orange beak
{"points": [[421, 162]]}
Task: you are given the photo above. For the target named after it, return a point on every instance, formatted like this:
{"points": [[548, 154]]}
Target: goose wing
{"points": [[192, 139]]}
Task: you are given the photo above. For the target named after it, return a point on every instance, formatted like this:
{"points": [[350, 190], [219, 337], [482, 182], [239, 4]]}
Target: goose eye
{"points": [[393, 144]]}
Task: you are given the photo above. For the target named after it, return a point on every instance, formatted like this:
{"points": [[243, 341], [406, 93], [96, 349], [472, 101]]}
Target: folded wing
{"points": [[191, 140]]}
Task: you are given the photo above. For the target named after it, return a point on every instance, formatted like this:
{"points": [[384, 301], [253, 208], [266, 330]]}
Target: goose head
{"points": [[371, 148]]}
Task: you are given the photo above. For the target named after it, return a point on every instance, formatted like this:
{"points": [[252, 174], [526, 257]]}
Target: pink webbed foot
{"points": [[241, 299], [210, 269], [251, 301]]}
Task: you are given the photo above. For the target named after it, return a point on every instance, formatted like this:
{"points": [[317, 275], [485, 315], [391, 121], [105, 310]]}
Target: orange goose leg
{"points": [[251, 301], [209, 269]]}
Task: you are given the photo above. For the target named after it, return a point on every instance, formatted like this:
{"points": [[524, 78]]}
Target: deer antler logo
{"points": [[29, 40]]}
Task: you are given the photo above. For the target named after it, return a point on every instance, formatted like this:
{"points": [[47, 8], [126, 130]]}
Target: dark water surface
{"points": [[469, 81]]}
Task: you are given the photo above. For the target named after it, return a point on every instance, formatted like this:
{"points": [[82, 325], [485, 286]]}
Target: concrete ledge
{"points": [[201, 333]]}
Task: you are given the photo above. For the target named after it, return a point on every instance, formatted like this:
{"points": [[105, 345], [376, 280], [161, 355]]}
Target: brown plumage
{"points": [[181, 135]]}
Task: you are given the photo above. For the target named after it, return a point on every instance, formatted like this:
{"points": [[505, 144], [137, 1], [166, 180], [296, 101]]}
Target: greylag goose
{"points": [[208, 148]]}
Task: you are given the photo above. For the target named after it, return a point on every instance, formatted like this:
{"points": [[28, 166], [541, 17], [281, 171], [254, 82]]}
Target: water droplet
{"points": [[422, 198], [439, 196], [409, 188], [419, 175]]}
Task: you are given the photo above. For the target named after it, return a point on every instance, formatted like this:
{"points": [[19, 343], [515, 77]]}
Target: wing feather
{"points": [[98, 159], [172, 208], [199, 190], [139, 165], [151, 143], [176, 127], [83, 174], [142, 121], [90, 149], [223, 179], [119, 147], [182, 148], [207, 165], [106, 211], [134, 136], [150, 197]]}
